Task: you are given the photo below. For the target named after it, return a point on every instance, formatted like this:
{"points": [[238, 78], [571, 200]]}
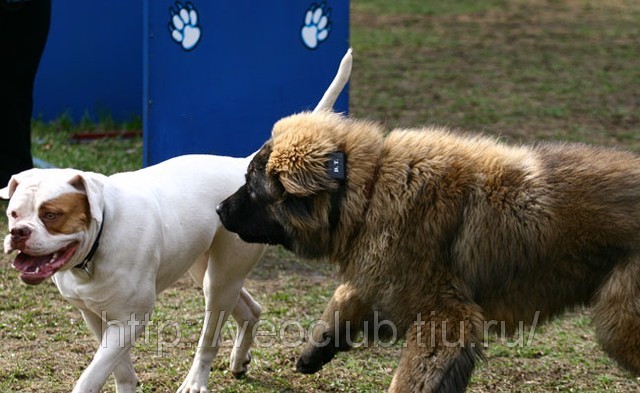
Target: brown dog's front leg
{"points": [[441, 350], [342, 320]]}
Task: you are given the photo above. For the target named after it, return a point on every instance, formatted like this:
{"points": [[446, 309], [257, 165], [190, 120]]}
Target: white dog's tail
{"points": [[339, 81], [330, 96]]}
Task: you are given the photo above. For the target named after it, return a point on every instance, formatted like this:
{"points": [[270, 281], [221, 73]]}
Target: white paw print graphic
{"points": [[316, 26], [184, 25]]}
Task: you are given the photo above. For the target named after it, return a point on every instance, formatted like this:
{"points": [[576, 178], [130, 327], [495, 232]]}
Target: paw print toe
{"points": [[177, 22], [322, 35]]}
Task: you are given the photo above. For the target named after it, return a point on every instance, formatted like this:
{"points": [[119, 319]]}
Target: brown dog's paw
{"points": [[312, 361], [305, 365]]}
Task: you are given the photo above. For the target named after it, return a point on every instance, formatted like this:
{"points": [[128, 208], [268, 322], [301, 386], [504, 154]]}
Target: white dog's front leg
{"points": [[125, 375], [113, 353]]}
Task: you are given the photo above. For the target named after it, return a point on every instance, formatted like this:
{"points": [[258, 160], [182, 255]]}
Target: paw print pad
{"points": [[317, 25], [183, 26]]}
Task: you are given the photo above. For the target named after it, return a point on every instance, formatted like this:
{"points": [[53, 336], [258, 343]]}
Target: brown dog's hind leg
{"points": [[616, 315], [440, 351], [346, 312]]}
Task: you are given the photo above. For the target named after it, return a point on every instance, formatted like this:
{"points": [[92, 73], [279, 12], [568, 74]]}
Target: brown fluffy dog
{"points": [[442, 233]]}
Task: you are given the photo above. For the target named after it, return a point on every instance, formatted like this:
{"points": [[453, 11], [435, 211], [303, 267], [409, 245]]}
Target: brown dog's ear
{"points": [[306, 184], [302, 146], [302, 174]]}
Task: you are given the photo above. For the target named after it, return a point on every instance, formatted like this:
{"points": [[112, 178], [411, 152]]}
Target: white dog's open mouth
{"points": [[36, 269]]}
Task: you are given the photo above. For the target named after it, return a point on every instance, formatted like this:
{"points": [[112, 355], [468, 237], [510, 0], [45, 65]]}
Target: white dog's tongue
{"points": [[36, 269]]}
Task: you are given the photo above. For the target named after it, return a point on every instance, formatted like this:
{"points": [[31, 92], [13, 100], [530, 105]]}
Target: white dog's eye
{"points": [[49, 216], [14, 214]]}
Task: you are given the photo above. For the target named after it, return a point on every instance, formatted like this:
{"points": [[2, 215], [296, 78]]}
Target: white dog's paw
{"points": [[196, 381], [184, 25], [192, 387], [316, 26], [239, 367]]}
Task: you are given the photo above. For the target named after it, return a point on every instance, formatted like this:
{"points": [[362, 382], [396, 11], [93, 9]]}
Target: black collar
{"points": [[84, 264]]}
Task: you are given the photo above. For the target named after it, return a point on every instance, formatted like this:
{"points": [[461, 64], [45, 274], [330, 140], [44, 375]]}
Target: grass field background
{"points": [[523, 70]]}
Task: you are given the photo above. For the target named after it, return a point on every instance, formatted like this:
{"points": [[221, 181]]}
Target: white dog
{"points": [[111, 244]]}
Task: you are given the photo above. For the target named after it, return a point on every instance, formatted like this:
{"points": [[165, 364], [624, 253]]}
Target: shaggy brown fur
{"points": [[451, 230]]}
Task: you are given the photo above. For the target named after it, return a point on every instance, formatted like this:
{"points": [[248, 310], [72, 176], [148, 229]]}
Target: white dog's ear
{"points": [[7, 192], [92, 186]]}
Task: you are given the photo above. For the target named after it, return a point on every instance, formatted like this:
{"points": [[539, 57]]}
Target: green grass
{"points": [[524, 70], [424, 8], [53, 143]]}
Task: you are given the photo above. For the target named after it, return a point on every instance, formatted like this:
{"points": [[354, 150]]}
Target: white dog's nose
{"points": [[19, 236], [20, 233]]}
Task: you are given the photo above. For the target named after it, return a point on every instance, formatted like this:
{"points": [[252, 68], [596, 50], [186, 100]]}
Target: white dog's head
{"points": [[53, 219]]}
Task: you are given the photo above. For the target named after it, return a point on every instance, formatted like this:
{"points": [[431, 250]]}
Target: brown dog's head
{"points": [[299, 183]]}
